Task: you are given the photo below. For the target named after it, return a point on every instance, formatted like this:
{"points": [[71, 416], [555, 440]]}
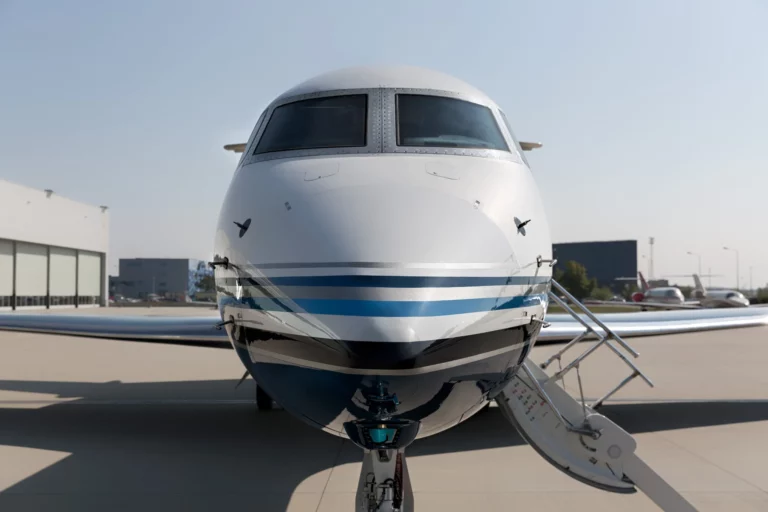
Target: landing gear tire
{"points": [[263, 400]]}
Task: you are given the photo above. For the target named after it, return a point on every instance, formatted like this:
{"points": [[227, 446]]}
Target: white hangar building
{"points": [[53, 251]]}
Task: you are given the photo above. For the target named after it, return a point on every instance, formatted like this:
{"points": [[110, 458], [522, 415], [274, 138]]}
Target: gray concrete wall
{"points": [[140, 277]]}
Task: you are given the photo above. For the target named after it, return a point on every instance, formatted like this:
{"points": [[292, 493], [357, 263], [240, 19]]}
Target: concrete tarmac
{"points": [[89, 424]]}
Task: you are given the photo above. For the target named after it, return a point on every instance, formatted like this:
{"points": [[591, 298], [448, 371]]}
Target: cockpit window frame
{"points": [[506, 125], [279, 144], [381, 128], [250, 145], [372, 135], [389, 119], [420, 101]]}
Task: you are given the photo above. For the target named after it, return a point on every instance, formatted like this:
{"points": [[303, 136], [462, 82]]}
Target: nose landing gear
{"points": [[264, 402], [241, 343]]}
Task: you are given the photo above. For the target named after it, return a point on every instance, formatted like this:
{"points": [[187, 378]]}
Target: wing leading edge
{"points": [[642, 305], [203, 331], [654, 323], [200, 331]]}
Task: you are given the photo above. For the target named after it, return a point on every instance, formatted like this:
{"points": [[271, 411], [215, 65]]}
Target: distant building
{"points": [[168, 278], [605, 261], [113, 283], [53, 250]]}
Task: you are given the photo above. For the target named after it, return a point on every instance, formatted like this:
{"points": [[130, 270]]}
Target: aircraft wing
{"points": [[653, 305], [563, 327], [203, 331], [196, 330]]}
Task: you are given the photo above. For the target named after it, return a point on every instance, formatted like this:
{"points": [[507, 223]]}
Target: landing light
{"points": [[378, 434], [382, 435]]}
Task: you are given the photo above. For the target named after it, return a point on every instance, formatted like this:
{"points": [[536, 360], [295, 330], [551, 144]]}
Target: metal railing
{"points": [[606, 337]]}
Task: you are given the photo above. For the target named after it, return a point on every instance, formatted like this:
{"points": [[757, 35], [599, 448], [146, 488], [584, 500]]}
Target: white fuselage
{"points": [[381, 270], [703, 298], [665, 295], [391, 215], [723, 299]]}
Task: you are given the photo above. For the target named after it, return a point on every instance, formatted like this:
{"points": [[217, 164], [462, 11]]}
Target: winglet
{"points": [[237, 148], [530, 146]]}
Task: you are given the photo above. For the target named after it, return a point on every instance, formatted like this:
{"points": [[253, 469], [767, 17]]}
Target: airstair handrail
{"points": [[604, 338]]}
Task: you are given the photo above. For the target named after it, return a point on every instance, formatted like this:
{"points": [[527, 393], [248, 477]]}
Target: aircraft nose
{"points": [[373, 258], [398, 224], [377, 264]]}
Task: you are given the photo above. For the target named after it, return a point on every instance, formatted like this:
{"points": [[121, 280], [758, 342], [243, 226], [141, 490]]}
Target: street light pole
{"points": [[737, 265], [699, 256], [650, 260]]}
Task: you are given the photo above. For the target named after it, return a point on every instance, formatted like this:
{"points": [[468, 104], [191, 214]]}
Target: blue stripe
{"points": [[404, 281], [376, 308]]}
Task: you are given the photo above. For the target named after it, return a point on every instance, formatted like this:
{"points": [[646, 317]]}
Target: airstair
{"points": [[565, 431], [568, 432]]}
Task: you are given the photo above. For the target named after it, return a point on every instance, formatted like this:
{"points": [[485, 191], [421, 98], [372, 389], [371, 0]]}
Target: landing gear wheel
{"points": [[263, 400]]}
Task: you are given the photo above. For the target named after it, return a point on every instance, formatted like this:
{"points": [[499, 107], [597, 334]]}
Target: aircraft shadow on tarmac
{"points": [[156, 451]]}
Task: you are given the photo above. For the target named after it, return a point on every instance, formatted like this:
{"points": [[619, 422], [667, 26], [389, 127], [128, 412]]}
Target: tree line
{"points": [[574, 278]]}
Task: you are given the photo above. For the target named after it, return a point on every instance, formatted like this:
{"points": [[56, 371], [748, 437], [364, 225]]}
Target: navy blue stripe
{"points": [[402, 281], [376, 308]]}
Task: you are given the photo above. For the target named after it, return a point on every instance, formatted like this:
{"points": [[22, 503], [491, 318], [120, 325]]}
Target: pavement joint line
{"points": [[76, 401], [699, 456], [330, 474]]}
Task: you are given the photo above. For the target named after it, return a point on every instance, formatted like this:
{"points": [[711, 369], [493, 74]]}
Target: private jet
{"points": [[664, 297], [717, 298], [384, 264], [671, 297], [665, 294]]}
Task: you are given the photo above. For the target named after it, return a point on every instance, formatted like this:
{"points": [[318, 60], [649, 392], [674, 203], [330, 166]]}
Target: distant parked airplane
{"points": [[671, 297]]}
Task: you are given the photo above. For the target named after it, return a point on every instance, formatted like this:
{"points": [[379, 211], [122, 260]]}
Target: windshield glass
{"points": [[434, 121], [334, 122]]}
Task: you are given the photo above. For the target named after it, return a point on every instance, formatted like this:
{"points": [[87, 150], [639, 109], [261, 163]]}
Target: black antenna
{"points": [[243, 227]]}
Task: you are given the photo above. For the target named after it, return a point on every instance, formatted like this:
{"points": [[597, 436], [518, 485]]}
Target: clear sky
{"points": [[652, 113]]}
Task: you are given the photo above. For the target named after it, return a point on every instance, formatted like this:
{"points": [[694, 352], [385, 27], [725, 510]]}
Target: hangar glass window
{"points": [[333, 122], [435, 121]]}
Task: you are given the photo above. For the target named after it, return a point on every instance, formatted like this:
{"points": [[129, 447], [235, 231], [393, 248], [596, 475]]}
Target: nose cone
{"points": [[388, 209], [399, 224], [388, 249]]}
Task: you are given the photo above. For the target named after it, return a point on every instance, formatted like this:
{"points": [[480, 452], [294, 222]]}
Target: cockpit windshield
{"points": [[332, 122], [435, 121]]}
